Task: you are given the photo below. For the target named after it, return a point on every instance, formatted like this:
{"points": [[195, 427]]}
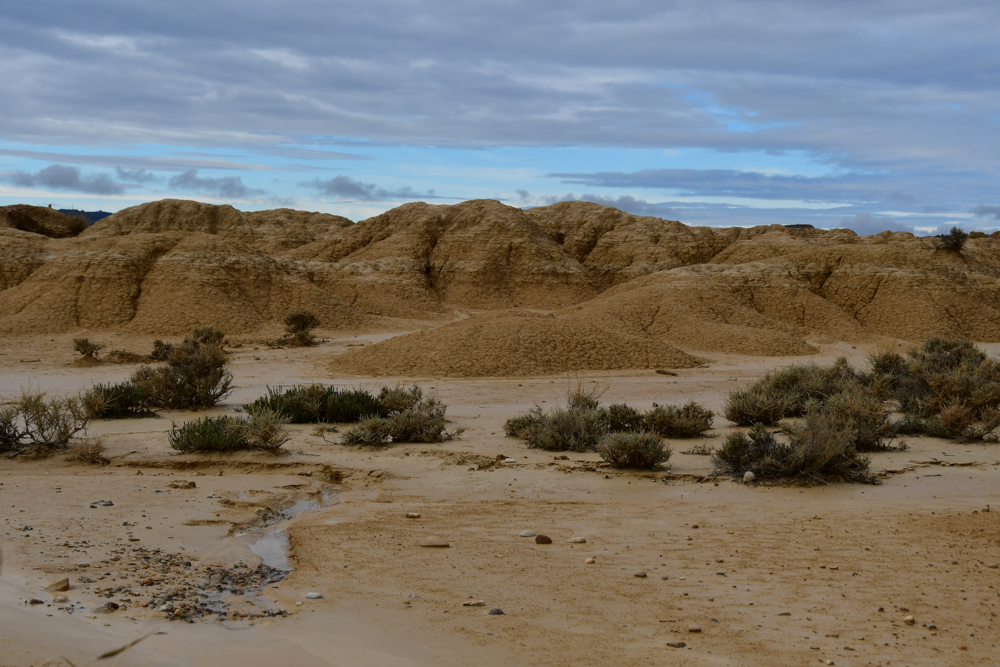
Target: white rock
{"points": [[590, 561], [694, 628], [577, 540], [528, 533], [748, 477], [313, 595], [510, 460]]}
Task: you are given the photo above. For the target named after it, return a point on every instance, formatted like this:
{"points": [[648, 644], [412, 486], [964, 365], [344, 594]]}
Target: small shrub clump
{"points": [[87, 347], [315, 403], [954, 240], [89, 451], [36, 422], [410, 417], [196, 373], [634, 450], [116, 401], [688, 421], [299, 325], [264, 430]]}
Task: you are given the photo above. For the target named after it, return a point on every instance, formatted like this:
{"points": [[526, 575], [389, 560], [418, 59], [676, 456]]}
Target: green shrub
{"points": [[195, 374], [263, 430], [86, 347], [634, 450], [115, 401], [317, 403], [299, 325], [37, 422], [861, 414], [568, 429], [584, 398], [911, 425], [688, 421], [423, 421], [623, 418], [518, 426], [756, 404], [816, 451]]}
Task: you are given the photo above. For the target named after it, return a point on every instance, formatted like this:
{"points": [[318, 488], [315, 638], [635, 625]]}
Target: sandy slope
{"points": [[921, 541]]}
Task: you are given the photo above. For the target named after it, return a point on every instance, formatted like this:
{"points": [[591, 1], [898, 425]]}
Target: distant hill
{"points": [[91, 216]]}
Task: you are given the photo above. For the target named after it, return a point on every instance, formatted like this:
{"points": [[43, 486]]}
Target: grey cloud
{"points": [[137, 162], [228, 187], [61, 177], [136, 175], [866, 224], [349, 188], [987, 211]]}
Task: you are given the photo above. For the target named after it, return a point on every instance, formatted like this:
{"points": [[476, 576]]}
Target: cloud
{"points": [[226, 187], [987, 211], [61, 177], [347, 188], [136, 175]]}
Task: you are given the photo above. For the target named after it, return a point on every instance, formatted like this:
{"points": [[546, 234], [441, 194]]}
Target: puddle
{"points": [[269, 542]]}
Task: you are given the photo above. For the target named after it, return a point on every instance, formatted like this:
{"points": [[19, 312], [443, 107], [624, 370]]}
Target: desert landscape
{"points": [[337, 545]]}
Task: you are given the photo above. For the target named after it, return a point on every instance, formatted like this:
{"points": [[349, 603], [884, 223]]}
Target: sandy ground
{"points": [[771, 575]]}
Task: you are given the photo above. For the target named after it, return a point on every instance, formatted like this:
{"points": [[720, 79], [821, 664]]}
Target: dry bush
{"points": [[370, 432], [116, 401], [701, 449], [688, 421], [816, 451], [861, 414], [300, 321], [623, 418], [161, 351], [195, 374], [264, 430], [423, 421], [125, 357], [756, 404], [90, 450], [585, 398], [565, 429], [954, 240], [305, 404], [36, 422], [518, 426], [87, 347], [400, 398], [634, 450]]}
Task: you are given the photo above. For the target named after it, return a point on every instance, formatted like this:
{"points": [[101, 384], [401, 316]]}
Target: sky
{"points": [[867, 114]]}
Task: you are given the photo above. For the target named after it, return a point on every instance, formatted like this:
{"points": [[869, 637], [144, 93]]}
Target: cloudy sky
{"points": [[870, 114]]}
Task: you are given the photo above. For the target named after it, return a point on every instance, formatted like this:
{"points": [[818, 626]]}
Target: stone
{"points": [[932, 626], [694, 628], [182, 484], [435, 542], [413, 515], [510, 460], [748, 477], [527, 533], [107, 608], [640, 575], [590, 561], [543, 539], [474, 603], [676, 644], [314, 595], [577, 540], [34, 601], [60, 599], [909, 620], [495, 612], [59, 585]]}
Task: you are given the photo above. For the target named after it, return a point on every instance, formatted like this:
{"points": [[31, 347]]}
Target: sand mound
{"points": [[40, 220], [270, 231], [514, 343]]}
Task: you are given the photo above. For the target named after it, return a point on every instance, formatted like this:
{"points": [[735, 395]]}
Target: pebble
{"points": [[909, 620], [313, 595], [641, 575], [59, 585], [434, 541], [543, 539], [932, 626], [474, 603], [676, 644], [748, 477], [590, 561], [577, 540], [495, 612], [413, 515], [60, 599], [528, 533], [510, 460], [694, 628]]}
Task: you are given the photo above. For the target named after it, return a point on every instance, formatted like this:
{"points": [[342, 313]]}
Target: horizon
{"points": [[868, 116]]}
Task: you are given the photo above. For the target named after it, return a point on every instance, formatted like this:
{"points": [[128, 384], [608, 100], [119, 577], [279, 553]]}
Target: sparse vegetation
{"points": [[634, 450], [87, 347], [687, 421], [954, 240], [410, 417], [317, 403], [584, 422], [116, 401], [299, 325], [90, 450], [37, 422], [264, 430]]}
